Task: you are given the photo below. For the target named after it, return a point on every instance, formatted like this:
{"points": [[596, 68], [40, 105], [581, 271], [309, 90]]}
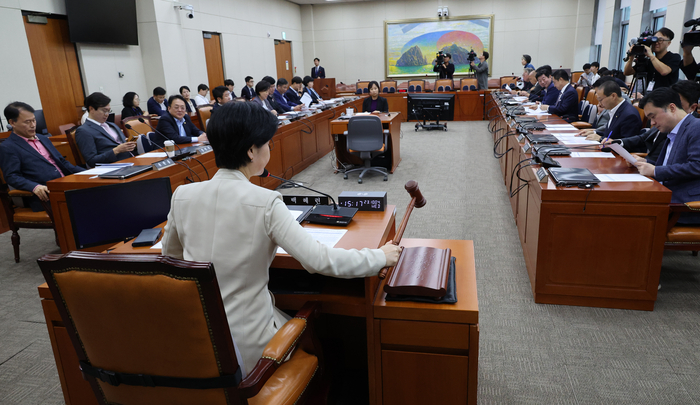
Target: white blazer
{"points": [[237, 226]]}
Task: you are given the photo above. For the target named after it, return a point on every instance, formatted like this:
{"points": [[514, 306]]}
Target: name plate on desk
{"points": [[204, 149], [521, 137], [163, 164], [542, 175], [527, 147], [305, 200]]}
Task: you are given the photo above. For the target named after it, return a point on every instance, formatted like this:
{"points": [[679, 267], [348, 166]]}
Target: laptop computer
{"points": [[568, 177]]}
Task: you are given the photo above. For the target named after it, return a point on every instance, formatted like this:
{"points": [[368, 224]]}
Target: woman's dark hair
{"points": [[527, 58], [184, 88], [96, 100], [307, 80], [235, 128], [262, 85], [128, 100], [372, 83]]}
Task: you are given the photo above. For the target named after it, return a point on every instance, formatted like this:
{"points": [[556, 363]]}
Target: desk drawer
{"points": [[425, 334]]}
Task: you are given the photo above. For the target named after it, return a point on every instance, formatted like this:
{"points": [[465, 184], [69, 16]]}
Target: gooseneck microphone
{"points": [[141, 120], [128, 126], [265, 173], [322, 214]]}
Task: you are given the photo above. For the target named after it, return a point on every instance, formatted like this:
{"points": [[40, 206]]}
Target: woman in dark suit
{"points": [[374, 103], [131, 105], [309, 89], [262, 89]]}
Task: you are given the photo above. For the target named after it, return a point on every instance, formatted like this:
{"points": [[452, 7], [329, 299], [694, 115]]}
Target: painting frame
{"points": [[390, 53]]}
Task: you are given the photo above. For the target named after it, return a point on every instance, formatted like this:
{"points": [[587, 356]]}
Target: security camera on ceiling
{"points": [[184, 6]]}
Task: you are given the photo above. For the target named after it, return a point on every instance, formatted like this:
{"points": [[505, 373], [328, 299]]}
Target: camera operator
{"points": [[665, 63], [445, 69], [482, 71]]}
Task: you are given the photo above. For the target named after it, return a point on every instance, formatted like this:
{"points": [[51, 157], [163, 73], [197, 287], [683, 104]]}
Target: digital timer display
{"points": [[363, 200]]}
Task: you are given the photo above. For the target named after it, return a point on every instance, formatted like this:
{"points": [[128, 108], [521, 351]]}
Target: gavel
{"points": [[417, 201]]}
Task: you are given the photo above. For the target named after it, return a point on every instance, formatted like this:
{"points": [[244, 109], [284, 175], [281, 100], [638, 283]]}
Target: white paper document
{"points": [[295, 214], [625, 177], [328, 237], [158, 245], [98, 170], [592, 155], [520, 98], [568, 137], [153, 155], [580, 141], [537, 112], [622, 152], [560, 127]]}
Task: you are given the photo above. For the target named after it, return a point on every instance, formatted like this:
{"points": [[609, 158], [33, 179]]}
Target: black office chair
{"points": [[367, 139]]}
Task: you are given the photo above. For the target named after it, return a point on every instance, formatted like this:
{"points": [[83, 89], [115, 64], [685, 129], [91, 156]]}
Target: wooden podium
{"points": [[325, 88]]}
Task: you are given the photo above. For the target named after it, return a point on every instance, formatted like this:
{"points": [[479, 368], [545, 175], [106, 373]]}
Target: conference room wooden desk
{"points": [[296, 146], [469, 105], [601, 247], [391, 121], [407, 341]]}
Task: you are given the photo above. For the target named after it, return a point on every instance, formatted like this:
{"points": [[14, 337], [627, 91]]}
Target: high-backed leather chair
{"points": [[416, 86], [642, 116], [204, 113], [366, 138], [575, 76], [444, 85], [505, 80], [362, 88], [591, 98], [388, 86], [468, 84], [580, 92], [153, 330], [683, 237], [137, 127], [17, 217], [77, 154]]}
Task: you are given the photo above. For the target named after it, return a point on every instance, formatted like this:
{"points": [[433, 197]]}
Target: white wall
{"points": [[349, 37]]}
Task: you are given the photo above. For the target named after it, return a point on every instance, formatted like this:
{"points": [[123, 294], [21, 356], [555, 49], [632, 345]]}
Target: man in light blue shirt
{"points": [[678, 165]]}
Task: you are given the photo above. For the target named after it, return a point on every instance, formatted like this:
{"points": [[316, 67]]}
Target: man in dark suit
{"points": [[221, 95], [678, 165], [270, 97], [29, 160], [567, 104], [544, 78], [100, 141], [248, 91], [176, 125], [318, 72], [624, 118], [157, 104], [293, 93], [280, 96]]}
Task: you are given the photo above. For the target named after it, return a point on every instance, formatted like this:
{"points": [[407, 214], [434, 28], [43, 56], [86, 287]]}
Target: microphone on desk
{"points": [[128, 126], [321, 214], [141, 120]]}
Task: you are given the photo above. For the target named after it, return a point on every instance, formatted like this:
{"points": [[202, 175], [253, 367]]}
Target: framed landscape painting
{"points": [[411, 45]]}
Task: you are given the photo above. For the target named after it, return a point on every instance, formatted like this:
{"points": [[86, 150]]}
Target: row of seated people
{"points": [[29, 160], [668, 150]]}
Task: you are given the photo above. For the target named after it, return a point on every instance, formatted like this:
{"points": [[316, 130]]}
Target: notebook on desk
{"points": [[568, 177]]}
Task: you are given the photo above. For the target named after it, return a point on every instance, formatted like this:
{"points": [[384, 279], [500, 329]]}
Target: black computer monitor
{"points": [[432, 106], [109, 214]]}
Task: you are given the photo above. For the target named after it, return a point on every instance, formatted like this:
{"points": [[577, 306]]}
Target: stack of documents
{"points": [[103, 168], [625, 177]]}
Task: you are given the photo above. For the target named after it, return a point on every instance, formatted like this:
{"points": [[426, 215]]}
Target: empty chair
{"points": [[416, 85], [77, 154], [366, 138], [468, 84], [388, 86], [361, 88], [444, 85], [151, 329], [204, 113]]}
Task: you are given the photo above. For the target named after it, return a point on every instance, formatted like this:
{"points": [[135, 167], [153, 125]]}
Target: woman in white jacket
{"points": [[237, 226]]}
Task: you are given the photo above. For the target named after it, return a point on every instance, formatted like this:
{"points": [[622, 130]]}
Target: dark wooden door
{"points": [[215, 64], [283, 56], [57, 73]]}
